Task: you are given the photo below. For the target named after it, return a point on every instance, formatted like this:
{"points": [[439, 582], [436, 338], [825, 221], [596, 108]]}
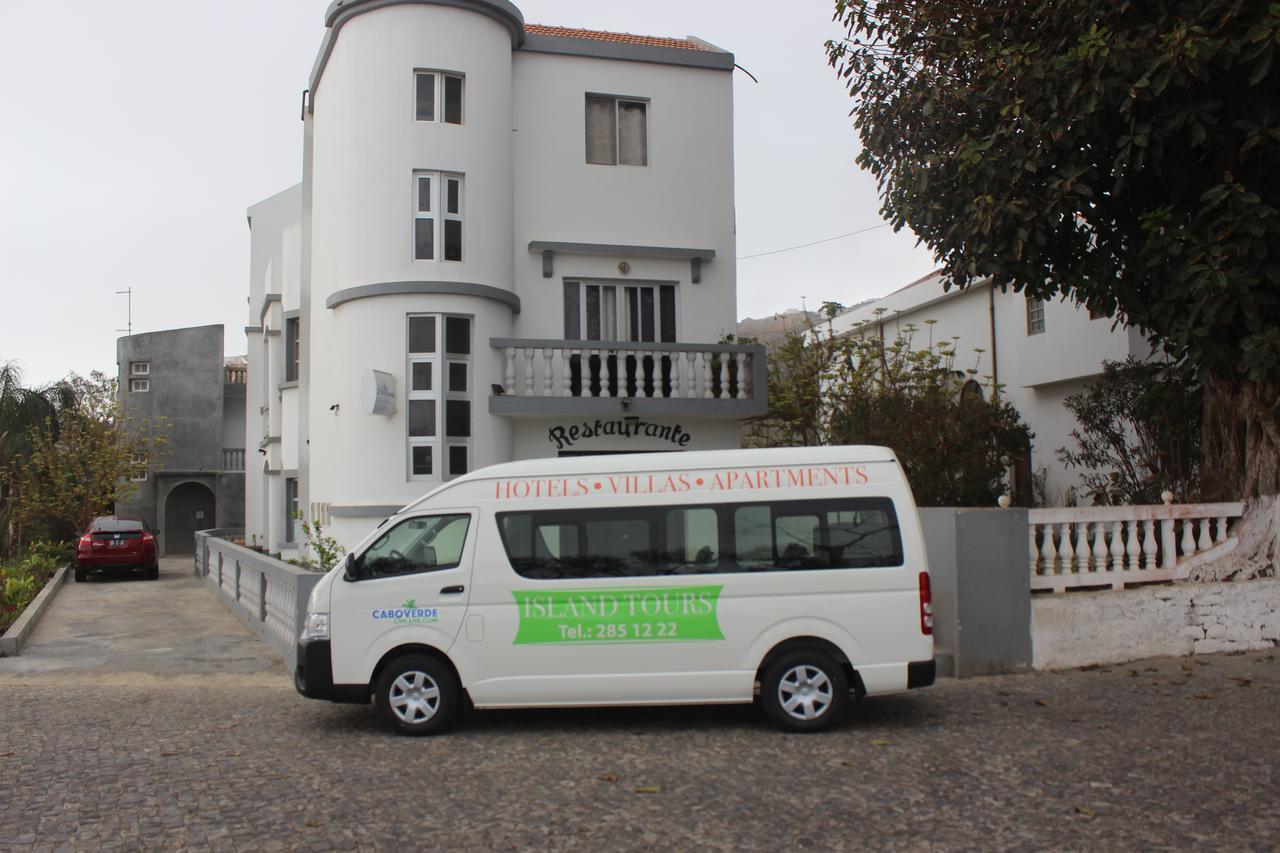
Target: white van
{"points": [[796, 575]]}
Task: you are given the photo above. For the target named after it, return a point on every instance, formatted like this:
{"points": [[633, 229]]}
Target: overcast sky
{"points": [[135, 133]]}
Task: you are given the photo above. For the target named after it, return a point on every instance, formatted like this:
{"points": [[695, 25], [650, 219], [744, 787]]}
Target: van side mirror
{"points": [[349, 567]]}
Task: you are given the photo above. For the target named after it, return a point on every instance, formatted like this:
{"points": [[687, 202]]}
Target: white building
{"points": [[510, 241], [1041, 352]]}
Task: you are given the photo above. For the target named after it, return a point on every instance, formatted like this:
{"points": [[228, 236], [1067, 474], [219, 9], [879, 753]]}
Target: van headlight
{"points": [[316, 627]]}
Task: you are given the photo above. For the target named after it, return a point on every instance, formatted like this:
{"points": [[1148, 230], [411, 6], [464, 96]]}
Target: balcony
{"points": [[557, 377], [233, 459]]}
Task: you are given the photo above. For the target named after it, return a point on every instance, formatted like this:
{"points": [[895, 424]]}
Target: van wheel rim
{"points": [[415, 697], [805, 692]]}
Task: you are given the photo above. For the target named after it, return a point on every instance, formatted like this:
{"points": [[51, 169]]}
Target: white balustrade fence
{"points": [[536, 368], [1114, 546], [268, 595]]}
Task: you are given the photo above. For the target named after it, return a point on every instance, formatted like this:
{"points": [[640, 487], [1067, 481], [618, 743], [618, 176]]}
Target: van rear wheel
{"points": [[804, 691], [417, 695]]}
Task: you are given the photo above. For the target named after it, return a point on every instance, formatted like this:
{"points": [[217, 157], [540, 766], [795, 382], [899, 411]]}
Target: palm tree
{"points": [[23, 409]]}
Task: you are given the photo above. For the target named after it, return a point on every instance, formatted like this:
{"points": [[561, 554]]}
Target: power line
{"points": [[815, 242]]}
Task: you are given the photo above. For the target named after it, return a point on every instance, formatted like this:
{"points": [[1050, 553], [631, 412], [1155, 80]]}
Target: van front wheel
{"points": [[417, 695], [804, 691]]}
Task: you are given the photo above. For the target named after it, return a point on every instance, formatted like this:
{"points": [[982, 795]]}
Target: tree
{"points": [[954, 435], [1123, 154], [81, 468], [24, 413], [797, 365], [1138, 433]]}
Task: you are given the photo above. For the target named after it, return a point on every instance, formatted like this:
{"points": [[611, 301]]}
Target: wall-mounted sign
{"points": [[567, 435], [378, 393]]}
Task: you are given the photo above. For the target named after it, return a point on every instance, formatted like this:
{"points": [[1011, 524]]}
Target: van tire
{"points": [[417, 695], [804, 690]]}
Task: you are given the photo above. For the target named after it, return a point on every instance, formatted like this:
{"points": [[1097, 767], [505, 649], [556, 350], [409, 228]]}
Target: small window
{"points": [[437, 87], [439, 207], [617, 131], [424, 544], [139, 385], [138, 472], [291, 511], [292, 349], [1035, 316], [139, 368]]}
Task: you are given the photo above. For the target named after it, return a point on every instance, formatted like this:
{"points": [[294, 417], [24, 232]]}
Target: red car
{"points": [[117, 542]]}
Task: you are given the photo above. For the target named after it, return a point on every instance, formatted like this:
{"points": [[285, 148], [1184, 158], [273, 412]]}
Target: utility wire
{"points": [[815, 242]]}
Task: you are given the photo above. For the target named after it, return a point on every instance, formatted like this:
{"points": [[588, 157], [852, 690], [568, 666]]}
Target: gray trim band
{"points": [[266, 303], [364, 511], [271, 439], [433, 288], [293, 315], [625, 346], [597, 49], [253, 330], [272, 333], [619, 249], [291, 473], [285, 386], [341, 11]]}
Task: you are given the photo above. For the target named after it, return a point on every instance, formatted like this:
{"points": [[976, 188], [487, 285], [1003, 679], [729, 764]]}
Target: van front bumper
{"points": [[313, 676]]}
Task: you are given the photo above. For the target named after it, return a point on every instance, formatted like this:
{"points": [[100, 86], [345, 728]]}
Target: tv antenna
{"points": [[128, 291]]}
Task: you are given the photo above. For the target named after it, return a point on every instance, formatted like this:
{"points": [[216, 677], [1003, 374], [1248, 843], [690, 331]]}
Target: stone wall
{"points": [[1079, 629]]}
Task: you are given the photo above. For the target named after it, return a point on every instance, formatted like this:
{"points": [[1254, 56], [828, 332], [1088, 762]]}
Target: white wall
{"points": [[1084, 628], [1038, 371], [683, 198]]}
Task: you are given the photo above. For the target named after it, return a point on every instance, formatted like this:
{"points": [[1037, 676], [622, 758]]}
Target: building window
{"points": [[617, 131], [291, 509], [602, 311], [437, 218], [431, 89], [139, 385], [138, 468], [139, 368], [1035, 316], [439, 407], [292, 349]]}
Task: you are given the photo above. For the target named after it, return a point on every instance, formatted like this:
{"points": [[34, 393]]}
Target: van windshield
{"points": [[421, 544]]}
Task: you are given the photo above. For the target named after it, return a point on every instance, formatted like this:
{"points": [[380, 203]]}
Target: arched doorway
{"points": [[188, 508]]}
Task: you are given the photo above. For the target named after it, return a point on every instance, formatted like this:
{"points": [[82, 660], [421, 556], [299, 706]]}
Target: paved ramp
{"points": [[128, 629]]}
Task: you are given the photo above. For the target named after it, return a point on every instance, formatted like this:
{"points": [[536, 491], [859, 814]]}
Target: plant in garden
{"points": [[22, 580], [80, 469], [1124, 154], [955, 436], [1138, 433], [24, 412], [327, 549]]}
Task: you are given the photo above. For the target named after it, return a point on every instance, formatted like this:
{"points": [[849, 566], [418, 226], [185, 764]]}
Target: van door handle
{"points": [[451, 590]]}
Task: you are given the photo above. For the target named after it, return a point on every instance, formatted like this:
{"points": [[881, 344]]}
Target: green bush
{"points": [[21, 581]]}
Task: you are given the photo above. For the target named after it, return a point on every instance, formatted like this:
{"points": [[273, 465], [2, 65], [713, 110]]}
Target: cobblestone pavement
{"points": [[1166, 753]]}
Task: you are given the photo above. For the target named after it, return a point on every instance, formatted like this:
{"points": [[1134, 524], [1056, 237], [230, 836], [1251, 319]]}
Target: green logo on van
{"points": [[641, 615]]}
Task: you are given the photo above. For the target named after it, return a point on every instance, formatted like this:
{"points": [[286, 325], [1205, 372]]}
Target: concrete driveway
{"points": [[126, 629]]}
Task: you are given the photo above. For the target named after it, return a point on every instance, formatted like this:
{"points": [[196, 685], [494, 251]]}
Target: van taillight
{"points": [[926, 605]]}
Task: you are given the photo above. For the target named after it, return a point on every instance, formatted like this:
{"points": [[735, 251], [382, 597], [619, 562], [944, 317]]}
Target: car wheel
{"points": [[80, 575], [417, 695], [804, 691], [153, 573]]}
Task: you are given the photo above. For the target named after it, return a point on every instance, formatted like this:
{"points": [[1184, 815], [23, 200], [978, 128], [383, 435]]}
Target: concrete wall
{"points": [[1084, 628], [981, 589]]}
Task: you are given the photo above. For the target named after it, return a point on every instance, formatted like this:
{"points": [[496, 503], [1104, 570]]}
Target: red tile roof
{"points": [[620, 38]]}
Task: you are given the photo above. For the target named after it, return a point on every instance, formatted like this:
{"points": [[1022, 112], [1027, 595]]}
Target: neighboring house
{"points": [[510, 241], [179, 377], [1040, 351]]}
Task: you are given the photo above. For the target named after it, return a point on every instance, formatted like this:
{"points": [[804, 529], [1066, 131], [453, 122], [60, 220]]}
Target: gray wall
{"points": [[187, 392], [978, 564]]}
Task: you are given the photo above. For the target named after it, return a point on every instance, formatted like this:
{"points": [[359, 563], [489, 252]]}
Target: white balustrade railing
{"points": [[538, 368], [1114, 546]]}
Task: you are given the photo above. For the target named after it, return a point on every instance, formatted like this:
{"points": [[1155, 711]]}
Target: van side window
{"points": [[656, 540], [423, 544]]}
